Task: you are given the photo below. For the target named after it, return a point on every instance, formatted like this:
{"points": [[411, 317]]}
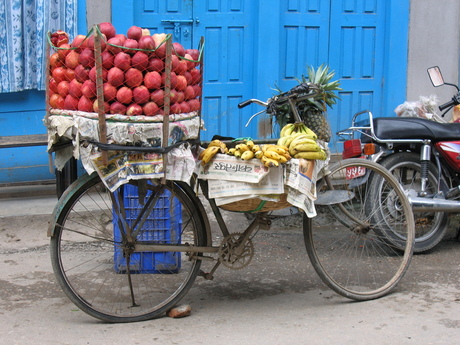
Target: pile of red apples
{"points": [[133, 73]]}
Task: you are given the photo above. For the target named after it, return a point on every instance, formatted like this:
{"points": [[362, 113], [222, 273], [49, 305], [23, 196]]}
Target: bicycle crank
{"points": [[234, 255]]}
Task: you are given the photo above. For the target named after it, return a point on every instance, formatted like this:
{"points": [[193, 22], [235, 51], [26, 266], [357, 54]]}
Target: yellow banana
{"points": [[282, 140], [321, 155], [255, 148], [269, 162], [259, 154], [218, 143], [247, 155], [232, 151], [288, 140], [237, 153], [209, 153], [276, 148], [307, 147], [282, 159], [304, 148], [250, 144], [272, 155], [242, 147], [301, 139], [287, 130]]}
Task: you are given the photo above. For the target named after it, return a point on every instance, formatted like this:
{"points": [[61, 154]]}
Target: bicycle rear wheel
{"points": [[344, 241], [92, 258]]}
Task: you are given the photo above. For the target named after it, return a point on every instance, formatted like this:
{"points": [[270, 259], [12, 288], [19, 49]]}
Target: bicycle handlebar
{"points": [[293, 94]]}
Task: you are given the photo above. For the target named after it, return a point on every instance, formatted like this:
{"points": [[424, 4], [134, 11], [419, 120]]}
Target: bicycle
{"points": [[111, 264]]}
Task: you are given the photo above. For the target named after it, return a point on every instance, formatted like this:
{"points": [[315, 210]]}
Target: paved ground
{"points": [[278, 299]]}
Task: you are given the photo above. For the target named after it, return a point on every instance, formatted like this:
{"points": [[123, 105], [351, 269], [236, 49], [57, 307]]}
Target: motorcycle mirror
{"points": [[436, 76]]}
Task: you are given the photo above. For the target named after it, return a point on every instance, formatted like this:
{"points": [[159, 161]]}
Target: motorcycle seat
{"points": [[415, 128]]}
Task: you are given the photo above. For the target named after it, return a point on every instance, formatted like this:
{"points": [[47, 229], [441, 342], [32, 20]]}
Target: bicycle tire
{"points": [[89, 261], [430, 227], [350, 256]]}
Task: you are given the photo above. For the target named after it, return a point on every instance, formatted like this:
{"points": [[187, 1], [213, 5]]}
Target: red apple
{"points": [[146, 43], [122, 61], [140, 60], [158, 96], [133, 77], [107, 59], [181, 83], [70, 74], [117, 108], [182, 68], [56, 101], [79, 42], [160, 44], [141, 94], [63, 51], [125, 95], [70, 102], [152, 80], [134, 32], [178, 49], [173, 96], [114, 45], [197, 89], [194, 53], [189, 92], [184, 107], [85, 104], [175, 109], [134, 109], [55, 60], [188, 77], [52, 85], [72, 59], [173, 78], [81, 73], [115, 76], [180, 96], [59, 74], [75, 88], [103, 109], [130, 45], [110, 92], [92, 74], [196, 75], [188, 59], [150, 109], [88, 89], [155, 64], [107, 29], [63, 88]]}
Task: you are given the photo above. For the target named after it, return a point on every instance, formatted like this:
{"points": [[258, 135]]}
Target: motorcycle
{"points": [[424, 155]]}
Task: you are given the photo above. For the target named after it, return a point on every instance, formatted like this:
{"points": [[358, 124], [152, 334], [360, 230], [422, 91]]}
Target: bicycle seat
{"points": [[415, 128]]}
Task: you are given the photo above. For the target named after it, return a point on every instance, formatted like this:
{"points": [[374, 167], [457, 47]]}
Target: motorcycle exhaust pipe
{"points": [[433, 205]]}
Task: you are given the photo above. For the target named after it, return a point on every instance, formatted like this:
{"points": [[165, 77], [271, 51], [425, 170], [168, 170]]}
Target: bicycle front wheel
{"points": [[92, 254], [344, 241]]}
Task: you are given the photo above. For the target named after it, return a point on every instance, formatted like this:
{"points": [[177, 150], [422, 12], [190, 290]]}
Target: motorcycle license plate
{"points": [[354, 172]]}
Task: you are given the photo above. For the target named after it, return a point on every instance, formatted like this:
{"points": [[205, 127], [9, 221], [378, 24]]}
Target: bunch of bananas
{"points": [[213, 148], [270, 155], [301, 142]]}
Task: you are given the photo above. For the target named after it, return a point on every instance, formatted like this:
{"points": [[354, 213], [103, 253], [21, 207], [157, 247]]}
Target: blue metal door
{"points": [[253, 47]]}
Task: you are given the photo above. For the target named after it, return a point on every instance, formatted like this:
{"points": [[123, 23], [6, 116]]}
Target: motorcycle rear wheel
{"points": [[430, 227]]}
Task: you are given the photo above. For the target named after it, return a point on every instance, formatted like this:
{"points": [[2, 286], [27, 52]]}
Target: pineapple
{"points": [[313, 110]]}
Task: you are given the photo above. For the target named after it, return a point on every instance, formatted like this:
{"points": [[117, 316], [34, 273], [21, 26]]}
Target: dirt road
{"points": [[277, 299]]}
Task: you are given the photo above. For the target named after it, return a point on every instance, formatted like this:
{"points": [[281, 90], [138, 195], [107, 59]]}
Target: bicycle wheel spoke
{"points": [[345, 243], [97, 266]]}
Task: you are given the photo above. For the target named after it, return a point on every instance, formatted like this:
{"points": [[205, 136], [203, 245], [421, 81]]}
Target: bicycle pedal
{"points": [[207, 276], [264, 223]]}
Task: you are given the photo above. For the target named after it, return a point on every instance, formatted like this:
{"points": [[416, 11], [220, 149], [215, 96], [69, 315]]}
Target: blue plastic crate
{"points": [[163, 225]]}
